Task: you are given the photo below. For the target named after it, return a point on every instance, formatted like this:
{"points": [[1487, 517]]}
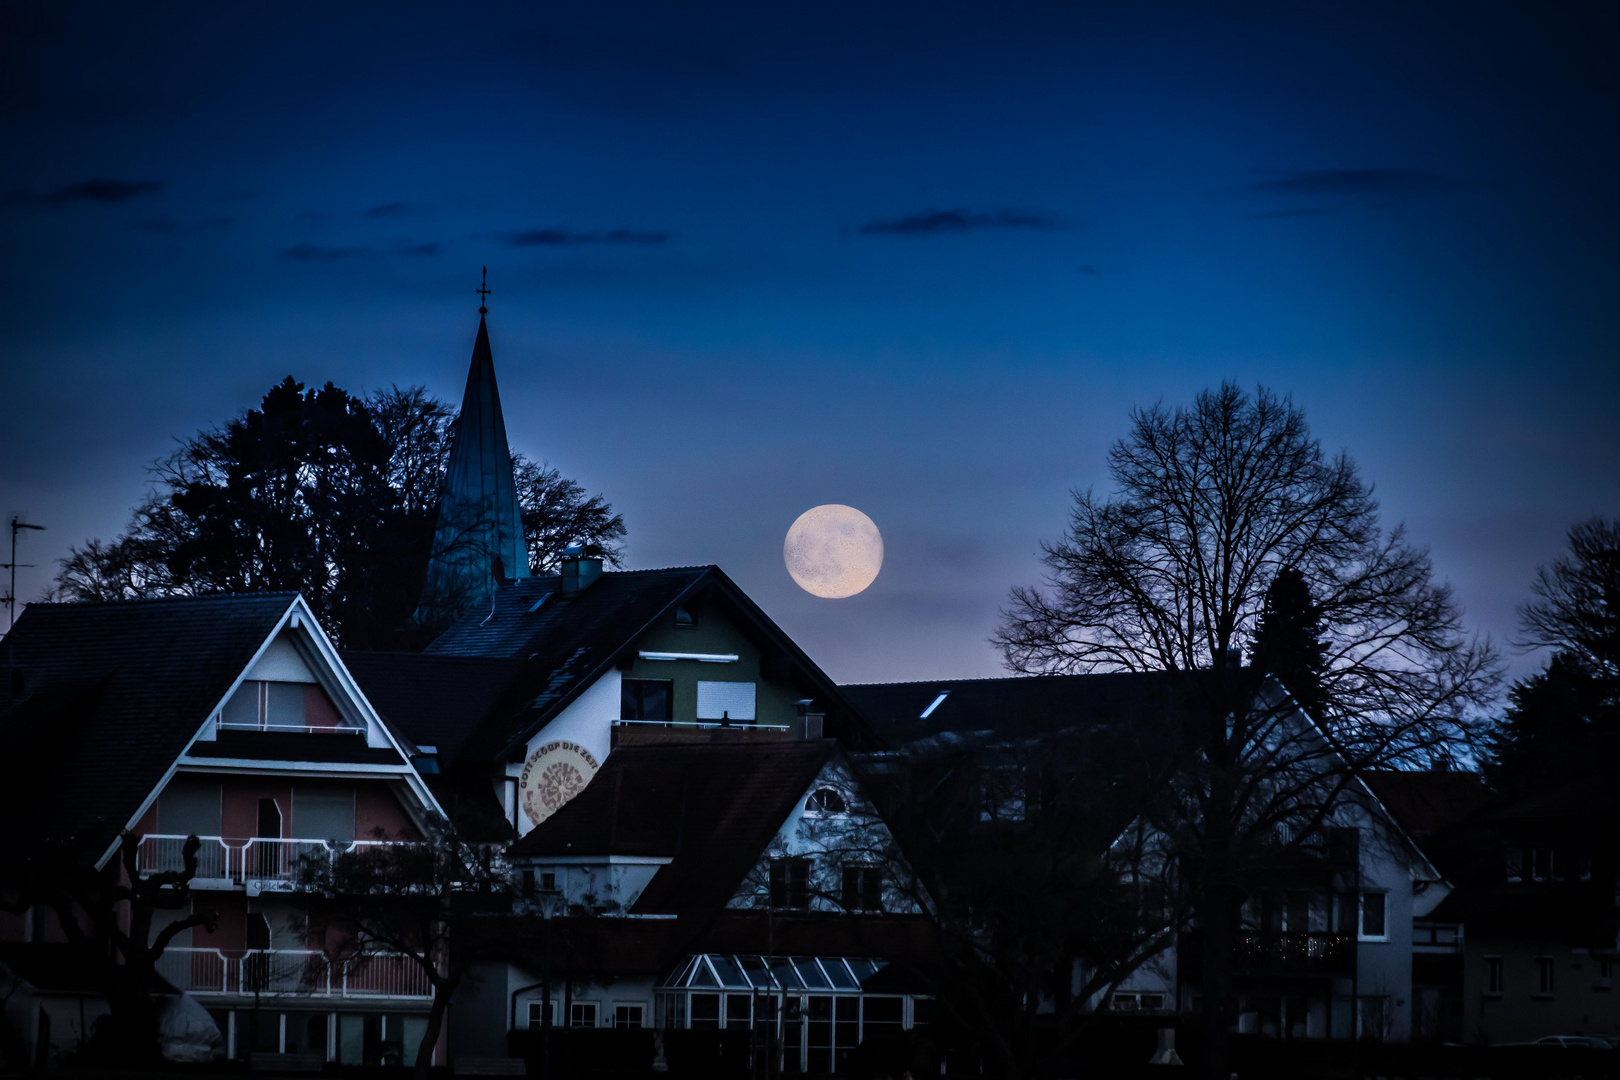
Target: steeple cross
{"points": [[483, 291]]}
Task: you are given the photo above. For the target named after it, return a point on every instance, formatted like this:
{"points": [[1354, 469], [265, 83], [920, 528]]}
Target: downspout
{"points": [[512, 1024]]}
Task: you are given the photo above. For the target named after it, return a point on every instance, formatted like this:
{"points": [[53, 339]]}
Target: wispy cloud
{"points": [[1319, 182], [571, 237], [94, 191], [1295, 212], [388, 210], [935, 222], [170, 227], [307, 252]]}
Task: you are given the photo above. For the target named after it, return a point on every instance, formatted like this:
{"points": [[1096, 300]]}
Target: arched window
{"points": [[825, 801]]}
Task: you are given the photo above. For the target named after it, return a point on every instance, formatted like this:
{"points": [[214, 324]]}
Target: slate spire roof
{"points": [[480, 521]]}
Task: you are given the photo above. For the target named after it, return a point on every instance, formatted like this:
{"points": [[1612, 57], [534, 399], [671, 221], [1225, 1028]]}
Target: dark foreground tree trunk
{"points": [[1223, 912], [442, 989]]}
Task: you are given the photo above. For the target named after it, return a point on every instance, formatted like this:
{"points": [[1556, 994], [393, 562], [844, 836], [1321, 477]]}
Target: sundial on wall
{"points": [[554, 773]]}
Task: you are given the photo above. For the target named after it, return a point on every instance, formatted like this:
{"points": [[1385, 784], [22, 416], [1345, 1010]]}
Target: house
{"points": [[1536, 911], [747, 887], [230, 718], [518, 706], [1327, 941]]}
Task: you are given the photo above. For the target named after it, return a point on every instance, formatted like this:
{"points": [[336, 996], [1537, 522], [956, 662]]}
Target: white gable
{"points": [[832, 839], [281, 662]]}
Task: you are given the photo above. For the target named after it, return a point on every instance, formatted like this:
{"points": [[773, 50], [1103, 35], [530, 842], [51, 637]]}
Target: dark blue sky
{"points": [[922, 260]]}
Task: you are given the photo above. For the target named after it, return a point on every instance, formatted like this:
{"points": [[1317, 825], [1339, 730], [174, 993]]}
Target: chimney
{"points": [[581, 566]]}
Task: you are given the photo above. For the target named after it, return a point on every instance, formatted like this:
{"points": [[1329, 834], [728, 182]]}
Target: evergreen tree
{"points": [[1288, 640], [1563, 723]]}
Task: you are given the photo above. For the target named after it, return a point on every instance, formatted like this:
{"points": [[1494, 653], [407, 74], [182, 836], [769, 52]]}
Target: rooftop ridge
{"points": [[136, 601]]}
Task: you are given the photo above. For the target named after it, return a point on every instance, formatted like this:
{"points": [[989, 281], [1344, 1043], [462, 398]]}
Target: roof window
{"points": [[932, 705]]}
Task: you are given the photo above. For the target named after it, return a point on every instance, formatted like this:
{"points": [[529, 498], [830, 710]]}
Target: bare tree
{"points": [[1032, 919], [1213, 502], [120, 910], [413, 902]]}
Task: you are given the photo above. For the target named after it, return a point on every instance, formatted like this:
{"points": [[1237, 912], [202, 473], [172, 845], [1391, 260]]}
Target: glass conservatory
{"points": [[818, 1007]]}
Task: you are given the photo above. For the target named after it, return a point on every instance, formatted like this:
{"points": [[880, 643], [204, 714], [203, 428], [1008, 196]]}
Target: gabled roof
{"points": [[710, 808], [1014, 706], [560, 645], [102, 699], [434, 700]]}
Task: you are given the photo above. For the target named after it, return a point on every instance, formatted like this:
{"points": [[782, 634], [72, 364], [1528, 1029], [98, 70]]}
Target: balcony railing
{"points": [[264, 861], [1299, 953], [293, 972]]}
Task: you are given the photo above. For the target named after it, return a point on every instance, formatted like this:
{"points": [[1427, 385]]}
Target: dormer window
{"points": [[825, 802], [279, 706]]}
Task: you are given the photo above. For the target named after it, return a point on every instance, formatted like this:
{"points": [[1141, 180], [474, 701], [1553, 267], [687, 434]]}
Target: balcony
{"points": [[1296, 954], [262, 864], [292, 973]]}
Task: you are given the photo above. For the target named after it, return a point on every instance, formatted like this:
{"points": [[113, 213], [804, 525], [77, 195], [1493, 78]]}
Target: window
{"points": [[537, 1013], [1344, 845], [683, 617], [790, 883], [1493, 975], [725, 701], [863, 888], [279, 706], [582, 1014], [1297, 912], [1543, 866], [628, 1016], [645, 699], [1544, 976], [1375, 1018], [1374, 920], [705, 1011], [824, 801], [1515, 864]]}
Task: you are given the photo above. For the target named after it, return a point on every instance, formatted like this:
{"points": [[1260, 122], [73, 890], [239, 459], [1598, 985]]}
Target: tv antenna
{"points": [[17, 526]]}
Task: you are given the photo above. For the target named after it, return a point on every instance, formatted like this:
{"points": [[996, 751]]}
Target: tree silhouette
{"points": [[322, 493], [1212, 503]]}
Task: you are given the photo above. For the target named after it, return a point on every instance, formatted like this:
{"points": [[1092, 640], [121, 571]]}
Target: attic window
{"points": [[279, 706], [932, 705], [683, 617], [825, 801]]}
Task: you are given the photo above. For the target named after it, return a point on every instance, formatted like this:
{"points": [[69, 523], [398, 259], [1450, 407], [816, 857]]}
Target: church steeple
{"points": [[480, 528]]}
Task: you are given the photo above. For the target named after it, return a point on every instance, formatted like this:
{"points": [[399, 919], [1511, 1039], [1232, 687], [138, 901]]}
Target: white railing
{"points": [[163, 854], [739, 725], [262, 860], [300, 972]]}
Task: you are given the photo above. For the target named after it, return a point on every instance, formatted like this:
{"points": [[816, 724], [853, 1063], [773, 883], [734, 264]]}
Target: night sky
{"points": [[745, 260]]}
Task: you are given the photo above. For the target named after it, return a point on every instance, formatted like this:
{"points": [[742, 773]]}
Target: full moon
{"points": [[833, 551]]}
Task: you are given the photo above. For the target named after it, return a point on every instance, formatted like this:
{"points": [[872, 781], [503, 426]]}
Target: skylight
{"points": [[932, 705]]}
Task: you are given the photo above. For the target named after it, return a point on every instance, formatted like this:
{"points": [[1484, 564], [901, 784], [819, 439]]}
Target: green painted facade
{"points": [[715, 630]]}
